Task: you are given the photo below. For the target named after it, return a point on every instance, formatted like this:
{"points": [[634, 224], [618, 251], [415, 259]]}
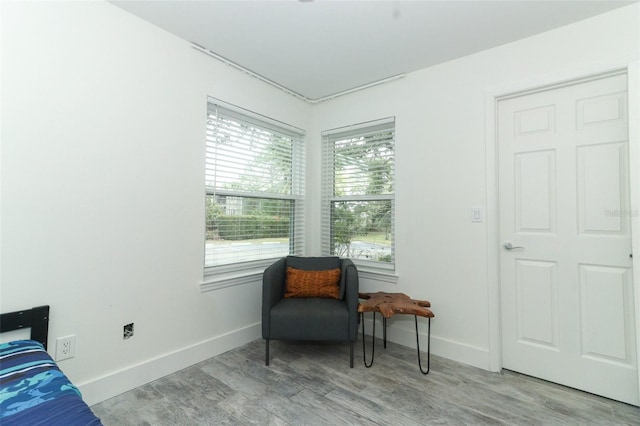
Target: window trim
{"points": [[244, 272], [381, 271]]}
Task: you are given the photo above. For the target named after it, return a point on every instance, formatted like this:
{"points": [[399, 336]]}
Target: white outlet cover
{"points": [[65, 347]]}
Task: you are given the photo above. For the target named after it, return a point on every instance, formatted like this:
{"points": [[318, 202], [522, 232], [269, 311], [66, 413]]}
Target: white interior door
{"points": [[566, 284]]}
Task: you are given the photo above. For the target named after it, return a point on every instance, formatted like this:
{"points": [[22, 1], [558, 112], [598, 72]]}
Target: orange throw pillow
{"points": [[301, 283]]}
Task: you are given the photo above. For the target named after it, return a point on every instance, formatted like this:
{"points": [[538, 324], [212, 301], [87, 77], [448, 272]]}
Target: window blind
{"points": [[254, 180], [358, 185]]}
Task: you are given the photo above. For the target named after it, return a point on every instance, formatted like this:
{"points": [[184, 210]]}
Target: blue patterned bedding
{"points": [[33, 390]]}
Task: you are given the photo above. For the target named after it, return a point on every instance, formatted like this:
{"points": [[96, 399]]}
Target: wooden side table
{"points": [[389, 304]]}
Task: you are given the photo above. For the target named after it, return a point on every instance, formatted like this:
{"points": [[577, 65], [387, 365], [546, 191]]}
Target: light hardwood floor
{"points": [[312, 384]]}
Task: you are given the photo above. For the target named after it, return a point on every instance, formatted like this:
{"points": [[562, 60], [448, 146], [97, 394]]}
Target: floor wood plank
{"points": [[312, 384]]}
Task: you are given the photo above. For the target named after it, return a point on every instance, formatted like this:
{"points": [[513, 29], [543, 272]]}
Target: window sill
{"points": [[219, 281], [382, 276]]}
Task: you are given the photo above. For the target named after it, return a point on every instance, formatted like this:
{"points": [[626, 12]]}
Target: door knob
{"points": [[510, 246]]}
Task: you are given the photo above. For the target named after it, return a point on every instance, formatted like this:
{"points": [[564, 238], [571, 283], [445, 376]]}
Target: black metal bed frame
{"points": [[36, 318]]}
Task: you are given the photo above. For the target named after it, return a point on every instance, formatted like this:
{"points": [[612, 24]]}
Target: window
{"points": [[358, 193], [254, 183]]}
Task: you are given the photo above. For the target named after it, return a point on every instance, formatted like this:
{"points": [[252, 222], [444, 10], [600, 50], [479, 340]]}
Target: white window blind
{"points": [[254, 180], [358, 186]]}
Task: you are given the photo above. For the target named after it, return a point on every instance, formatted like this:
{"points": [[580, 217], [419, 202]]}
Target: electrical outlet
{"points": [[127, 331], [65, 347]]}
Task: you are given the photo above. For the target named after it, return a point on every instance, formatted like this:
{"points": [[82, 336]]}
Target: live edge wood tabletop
{"points": [[389, 304]]}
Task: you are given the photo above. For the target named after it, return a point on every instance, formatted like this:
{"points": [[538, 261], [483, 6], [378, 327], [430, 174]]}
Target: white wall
{"points": [[442, 169], [103, 129], [102, 182]]}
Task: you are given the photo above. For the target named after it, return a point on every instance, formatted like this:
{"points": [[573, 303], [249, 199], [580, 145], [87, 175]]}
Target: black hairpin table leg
{"points": [[428, 346], [384, 331], [389, 304], [373, 342]]}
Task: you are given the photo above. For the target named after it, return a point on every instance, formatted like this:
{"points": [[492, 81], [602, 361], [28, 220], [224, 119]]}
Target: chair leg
{"points": [[351, 344], [266, 362]]}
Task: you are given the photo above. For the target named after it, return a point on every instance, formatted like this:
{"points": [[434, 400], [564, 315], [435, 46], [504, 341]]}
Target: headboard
{"points": [[36, 318]]}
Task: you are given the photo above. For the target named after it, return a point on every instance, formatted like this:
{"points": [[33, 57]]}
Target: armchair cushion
{"points": [[310, 318], [323, 283]]}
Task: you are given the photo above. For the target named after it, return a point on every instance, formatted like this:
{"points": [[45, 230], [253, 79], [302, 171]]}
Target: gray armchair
{"points": [[319, 319]]}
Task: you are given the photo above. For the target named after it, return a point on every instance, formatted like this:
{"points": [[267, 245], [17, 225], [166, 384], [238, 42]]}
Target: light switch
{"points": [[476, 214]]}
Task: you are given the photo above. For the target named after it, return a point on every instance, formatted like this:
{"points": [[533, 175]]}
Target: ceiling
{"points": [[320, 48]]}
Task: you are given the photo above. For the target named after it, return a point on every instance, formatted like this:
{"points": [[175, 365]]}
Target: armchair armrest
{"points": [[352, 286], [273, 280]]}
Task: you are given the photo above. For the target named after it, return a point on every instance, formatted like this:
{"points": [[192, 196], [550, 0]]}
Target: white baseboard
{"points": [[113, 384], [445, 348], [110, 385]]}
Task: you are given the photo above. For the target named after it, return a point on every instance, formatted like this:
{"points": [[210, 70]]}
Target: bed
{"points": [[33, 390]]}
